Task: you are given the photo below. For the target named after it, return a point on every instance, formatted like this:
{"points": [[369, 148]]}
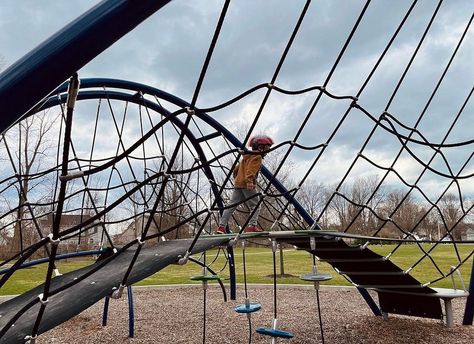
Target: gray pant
{"points": [[238, 195]]}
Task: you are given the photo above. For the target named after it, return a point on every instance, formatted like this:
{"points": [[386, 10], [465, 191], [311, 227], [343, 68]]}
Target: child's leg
{"points": [[252, 203], [237, 196]]}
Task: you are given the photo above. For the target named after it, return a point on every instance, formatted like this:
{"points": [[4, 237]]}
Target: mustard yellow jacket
{"points": [[246, 170]]}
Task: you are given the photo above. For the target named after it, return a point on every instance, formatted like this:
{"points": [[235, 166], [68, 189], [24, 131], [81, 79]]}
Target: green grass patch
{"points": [[259, 265]]}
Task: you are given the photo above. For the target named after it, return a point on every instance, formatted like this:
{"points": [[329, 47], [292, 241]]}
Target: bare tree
{"points": [[33, 143], [355, 206], [313, 196], [178, 201], [451, 213], [404, 210]]}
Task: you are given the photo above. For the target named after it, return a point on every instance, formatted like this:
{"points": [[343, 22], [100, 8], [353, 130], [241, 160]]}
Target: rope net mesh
{"points": [[144, 166]]}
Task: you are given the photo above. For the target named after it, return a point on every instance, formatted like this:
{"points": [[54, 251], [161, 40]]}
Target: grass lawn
{"points": [[260, 267]]}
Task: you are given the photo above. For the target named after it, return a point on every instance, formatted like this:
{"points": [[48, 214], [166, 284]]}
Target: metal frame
{"points": [[144, 89], [31, 79], [25, 83]]}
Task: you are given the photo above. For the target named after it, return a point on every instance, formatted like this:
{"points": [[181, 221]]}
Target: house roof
{"points": [[67, 220]]}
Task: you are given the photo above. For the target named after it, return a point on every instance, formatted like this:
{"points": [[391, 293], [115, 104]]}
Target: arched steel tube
{"points": [[25, 83]]}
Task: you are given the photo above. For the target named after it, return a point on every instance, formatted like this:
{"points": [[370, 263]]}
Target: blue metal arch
{"points": [[96, 94], [137, 87], [25, 83], [145, 89]]}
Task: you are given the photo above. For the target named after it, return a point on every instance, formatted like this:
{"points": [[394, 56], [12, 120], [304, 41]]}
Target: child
{"points": [[245, 176]]}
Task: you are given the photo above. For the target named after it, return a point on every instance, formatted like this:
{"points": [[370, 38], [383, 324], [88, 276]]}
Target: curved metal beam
{"points": [[34, 76], [137, 87], [96, 94]]}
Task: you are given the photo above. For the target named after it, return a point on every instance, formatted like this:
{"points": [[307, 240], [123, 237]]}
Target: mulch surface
{"points": [[175, 315]]}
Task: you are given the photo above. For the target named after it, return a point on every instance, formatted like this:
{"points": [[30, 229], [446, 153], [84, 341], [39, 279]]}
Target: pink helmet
{"points": [[260, 140]]}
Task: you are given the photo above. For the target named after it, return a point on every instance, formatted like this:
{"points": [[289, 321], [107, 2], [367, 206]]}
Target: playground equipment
{"points": [[171, 162], [273, 331], [316, 277]]}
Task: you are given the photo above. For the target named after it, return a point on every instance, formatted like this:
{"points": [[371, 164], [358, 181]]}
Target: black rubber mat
{"points": [[75, 299], [367, 269]]}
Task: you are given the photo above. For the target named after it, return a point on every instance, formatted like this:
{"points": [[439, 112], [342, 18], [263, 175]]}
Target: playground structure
{"points": [[171, 162]]}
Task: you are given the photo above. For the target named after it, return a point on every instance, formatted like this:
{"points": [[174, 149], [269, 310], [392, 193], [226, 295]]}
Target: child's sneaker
{"points": [[220, 230], [252, 229]]}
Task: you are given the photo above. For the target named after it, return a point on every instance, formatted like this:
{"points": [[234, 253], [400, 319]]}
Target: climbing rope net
{"points": [[131, 164]]}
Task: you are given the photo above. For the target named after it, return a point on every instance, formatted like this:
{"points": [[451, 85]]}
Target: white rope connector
{"points": [[43, 302], [189, 111], [71, 175], [184, 260], [270, 85], [234, 241], [274, 245], [53, 241], [118, 292], [57, 273], [31, 339], [139, 239]]}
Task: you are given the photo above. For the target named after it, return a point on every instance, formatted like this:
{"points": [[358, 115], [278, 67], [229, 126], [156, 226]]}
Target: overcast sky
{"points": [[167, 51]]}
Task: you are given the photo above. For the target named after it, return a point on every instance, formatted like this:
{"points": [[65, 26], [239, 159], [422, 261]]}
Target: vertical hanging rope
{"points": [[54, 236], [319, 316], [204, 283], [274, 249]]}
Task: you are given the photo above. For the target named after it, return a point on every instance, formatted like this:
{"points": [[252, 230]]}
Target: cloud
{"points": [[169, 48]]}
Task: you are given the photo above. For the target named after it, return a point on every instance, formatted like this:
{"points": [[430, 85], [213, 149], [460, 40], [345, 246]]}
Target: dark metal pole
{"points": [[131, 313], [469, 310], [38, 73]]}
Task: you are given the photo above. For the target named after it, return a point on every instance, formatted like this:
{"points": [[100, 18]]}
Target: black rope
{"points": [[274, 280], [319, 316], [250, 330], [171, 173]]}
